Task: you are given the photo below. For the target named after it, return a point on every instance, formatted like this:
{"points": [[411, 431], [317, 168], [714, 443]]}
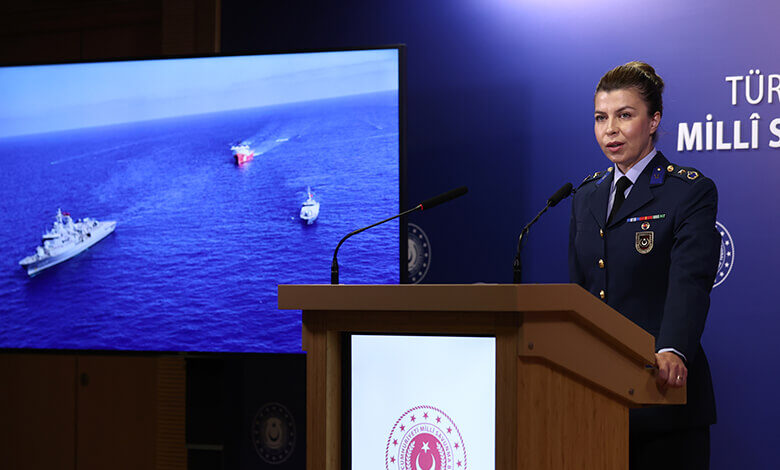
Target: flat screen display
{"points": [[422, 402], [155, 205]]}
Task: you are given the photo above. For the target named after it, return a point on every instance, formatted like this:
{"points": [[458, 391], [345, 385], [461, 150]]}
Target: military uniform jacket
{"points": [[655, 263]]}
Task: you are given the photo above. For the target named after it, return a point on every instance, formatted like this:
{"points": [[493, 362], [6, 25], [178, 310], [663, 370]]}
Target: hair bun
{"points": [[648, 70]]}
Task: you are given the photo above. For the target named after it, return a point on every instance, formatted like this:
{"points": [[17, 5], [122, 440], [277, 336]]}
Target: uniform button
{"points": [[602, 294], [601, 263], [601, 233]]}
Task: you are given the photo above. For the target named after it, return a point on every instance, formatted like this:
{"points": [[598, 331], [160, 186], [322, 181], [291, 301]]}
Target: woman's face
{"points": [[622, 126]]}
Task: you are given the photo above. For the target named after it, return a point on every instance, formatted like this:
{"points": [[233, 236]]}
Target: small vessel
{"points": [[65, 240], [242, 153], [310, 209]]}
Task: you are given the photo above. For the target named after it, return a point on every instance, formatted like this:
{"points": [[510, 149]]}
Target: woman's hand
{"points": [[671, 370]]}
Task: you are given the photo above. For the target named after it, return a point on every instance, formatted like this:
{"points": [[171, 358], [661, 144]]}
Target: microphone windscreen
{"points": [[442, 198], [560, 195]]}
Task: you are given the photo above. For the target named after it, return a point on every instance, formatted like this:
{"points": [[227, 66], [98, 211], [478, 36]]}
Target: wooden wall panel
{"points": [[171, 445], [117, 412], [37, 411], [84, 30], [191, 26], [92, 412], [133, 41], [53, 46]]}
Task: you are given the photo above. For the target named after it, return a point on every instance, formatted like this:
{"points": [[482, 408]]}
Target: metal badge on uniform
{"points": [[644, 242]]}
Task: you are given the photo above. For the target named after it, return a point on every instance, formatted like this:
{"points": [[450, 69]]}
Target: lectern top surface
{"points": [[570, 299]]}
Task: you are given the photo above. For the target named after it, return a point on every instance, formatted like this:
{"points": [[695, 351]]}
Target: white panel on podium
{"points": [[423, 402]]}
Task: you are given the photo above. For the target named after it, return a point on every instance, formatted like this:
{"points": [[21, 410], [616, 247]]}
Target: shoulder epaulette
{"points": [[596, 176], [683, 172]]}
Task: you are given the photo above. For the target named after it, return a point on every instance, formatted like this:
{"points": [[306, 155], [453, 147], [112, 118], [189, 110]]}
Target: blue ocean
{"points": [[200, 243]]}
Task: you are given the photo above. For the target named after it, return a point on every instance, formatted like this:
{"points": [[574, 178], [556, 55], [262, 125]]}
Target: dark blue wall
{"points": [[500, 98]]}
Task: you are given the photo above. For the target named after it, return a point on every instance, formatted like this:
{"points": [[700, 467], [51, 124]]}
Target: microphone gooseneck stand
{"points": [[517, 264], [427, 204], [334, 266], [559, 195]]}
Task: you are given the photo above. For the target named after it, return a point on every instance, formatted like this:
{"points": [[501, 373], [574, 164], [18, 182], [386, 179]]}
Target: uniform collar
{"points": [[636, 170], [641, 192]]}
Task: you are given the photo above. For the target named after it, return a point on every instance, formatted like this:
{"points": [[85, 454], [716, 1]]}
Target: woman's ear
{"points": [[655, 121]]}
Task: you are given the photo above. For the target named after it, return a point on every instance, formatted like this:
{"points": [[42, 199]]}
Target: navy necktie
{"points": [[620, 196]]}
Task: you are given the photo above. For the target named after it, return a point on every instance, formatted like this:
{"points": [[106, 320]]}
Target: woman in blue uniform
{"points": [[643, 240]]}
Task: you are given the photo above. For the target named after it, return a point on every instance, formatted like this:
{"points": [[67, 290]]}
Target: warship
{"points": [[65, 240], [310, 209]]}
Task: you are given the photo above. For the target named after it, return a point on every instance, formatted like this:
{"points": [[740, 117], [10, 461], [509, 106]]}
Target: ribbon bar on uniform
{"points": [[647, 217]]}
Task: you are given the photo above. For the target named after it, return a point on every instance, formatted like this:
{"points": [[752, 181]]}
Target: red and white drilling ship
{"points": [[242, 153]]}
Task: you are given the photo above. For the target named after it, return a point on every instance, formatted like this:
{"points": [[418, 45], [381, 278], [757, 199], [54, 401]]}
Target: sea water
{"points": [[201, 243]]}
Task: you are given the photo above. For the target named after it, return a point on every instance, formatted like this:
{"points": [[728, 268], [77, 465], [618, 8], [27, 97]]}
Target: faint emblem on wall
{"points": [[418, 253], [273, 433], [425, 437], [726, 261]]}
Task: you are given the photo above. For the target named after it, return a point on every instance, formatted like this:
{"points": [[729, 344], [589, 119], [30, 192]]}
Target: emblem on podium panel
{"points": [[273, 433], [418, 253], [726, 261], [425, 438]]}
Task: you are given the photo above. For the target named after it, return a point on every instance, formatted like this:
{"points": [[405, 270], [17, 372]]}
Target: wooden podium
{"points": [[568, 367]]}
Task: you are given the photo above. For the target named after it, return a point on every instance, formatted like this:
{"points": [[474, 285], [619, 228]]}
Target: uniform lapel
{"points": [[598, 200], [640, 194]]}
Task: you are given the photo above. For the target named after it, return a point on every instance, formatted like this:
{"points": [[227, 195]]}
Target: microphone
{"points": [[442, 198], [564, 192], [560, 195], [426, 204]]}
